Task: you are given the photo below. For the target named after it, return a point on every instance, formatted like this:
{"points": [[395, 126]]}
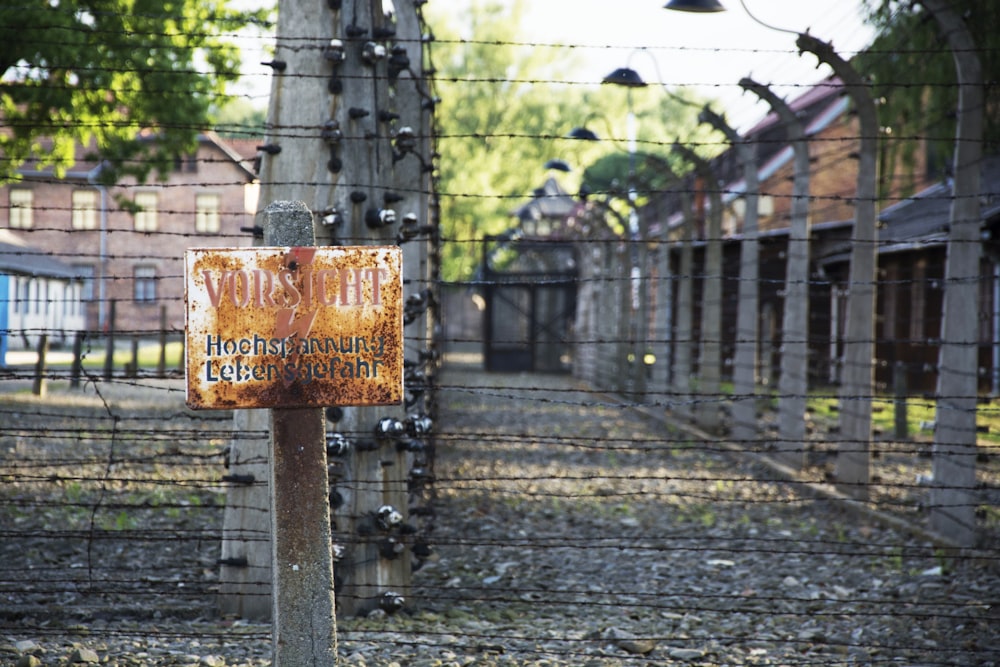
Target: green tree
{"points": [[240, 119], [914, 77], [505, 112], [109, 71]]}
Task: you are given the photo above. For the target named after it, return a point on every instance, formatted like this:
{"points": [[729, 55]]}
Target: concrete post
{"points": [[302, 616]]}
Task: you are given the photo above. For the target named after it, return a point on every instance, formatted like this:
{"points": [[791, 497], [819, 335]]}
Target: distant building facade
{"points": [[126, 242]]}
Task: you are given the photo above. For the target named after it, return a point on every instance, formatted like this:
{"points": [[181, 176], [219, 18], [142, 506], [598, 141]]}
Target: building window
{"points": [[84, 209], [144, 278], [188, 163], [145, 216], [206, 214], [86, 273], [21, 204], [17, 295]]}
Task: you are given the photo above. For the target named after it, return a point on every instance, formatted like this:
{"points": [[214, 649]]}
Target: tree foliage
{"points": [[505, 112], [107, 72], [913, 73]]}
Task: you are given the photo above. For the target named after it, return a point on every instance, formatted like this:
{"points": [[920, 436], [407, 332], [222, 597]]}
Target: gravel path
{"points": [[571, 532]]}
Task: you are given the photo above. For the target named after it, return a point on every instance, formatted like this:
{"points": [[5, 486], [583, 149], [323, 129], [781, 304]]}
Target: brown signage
{"points": [[293, 327]]}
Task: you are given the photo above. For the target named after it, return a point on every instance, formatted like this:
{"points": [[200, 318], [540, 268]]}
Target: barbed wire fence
{"points": [[113, 493]]}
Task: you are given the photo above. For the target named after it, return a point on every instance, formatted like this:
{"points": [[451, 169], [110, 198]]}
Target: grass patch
{"points": [[919, 412]]}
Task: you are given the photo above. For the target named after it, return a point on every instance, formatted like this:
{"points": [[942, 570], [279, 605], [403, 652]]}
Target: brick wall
{"points": [[155, 256]]}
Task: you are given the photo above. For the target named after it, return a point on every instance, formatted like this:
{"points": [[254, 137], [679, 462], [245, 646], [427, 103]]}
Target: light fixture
{"points": [[583, 133], [700, 6], [625, 76]]}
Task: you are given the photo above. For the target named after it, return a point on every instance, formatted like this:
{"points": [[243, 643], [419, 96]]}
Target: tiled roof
{"points": [[17, 257]]}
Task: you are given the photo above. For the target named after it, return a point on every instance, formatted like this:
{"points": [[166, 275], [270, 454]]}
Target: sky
{"points": [[710, 52]]}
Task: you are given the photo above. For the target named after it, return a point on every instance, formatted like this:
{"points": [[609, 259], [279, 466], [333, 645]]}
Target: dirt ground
{"points": [[568, 530]]}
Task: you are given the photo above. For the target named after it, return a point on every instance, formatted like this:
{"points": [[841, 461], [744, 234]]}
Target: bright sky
{"points": [[709, 51]]}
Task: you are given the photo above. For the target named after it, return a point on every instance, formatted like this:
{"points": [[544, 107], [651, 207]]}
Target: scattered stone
{"points": [[26, 646], [84, 654], [686, 653], [28, 661], [629, 642]]}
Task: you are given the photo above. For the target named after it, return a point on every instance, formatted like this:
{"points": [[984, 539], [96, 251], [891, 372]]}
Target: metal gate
{"points": [[529, 287]]}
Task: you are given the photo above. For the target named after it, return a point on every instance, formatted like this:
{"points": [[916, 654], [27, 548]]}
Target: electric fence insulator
{"points": [[406, 139], [337, 444], [389, 427], [331, 133], [390, 548], [376, 218], [399, 61], [372, 52], [391, 602], [354, 31], [387, 517], [411, 445], [330, 217], [335, 52], [419, 425]]}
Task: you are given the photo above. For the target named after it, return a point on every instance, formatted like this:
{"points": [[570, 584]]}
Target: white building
{"points": [[38, 294]]}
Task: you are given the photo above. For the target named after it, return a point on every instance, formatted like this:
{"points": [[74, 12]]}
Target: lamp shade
{"points": [[625, 76], [583, 134], [704, 6]]}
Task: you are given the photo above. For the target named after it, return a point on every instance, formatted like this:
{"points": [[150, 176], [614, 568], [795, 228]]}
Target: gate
{"points": [[529, 287]]}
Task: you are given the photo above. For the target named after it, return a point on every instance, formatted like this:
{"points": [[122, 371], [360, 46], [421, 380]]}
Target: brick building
{"points": [[127, 241], [912, 242]]}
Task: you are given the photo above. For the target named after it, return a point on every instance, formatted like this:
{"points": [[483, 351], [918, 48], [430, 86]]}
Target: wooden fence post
{"points": [[38, 386], [161, 366], [76, 369], [133, 368], [109, 349]]}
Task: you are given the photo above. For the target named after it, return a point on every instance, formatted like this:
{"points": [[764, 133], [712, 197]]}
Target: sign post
{"points": [[294, 328]]}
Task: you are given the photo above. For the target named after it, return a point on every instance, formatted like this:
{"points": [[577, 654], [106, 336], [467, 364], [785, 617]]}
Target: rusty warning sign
{"points": [[275, 327]]}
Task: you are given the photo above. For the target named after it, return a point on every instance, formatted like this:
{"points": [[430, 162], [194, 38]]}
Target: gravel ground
{"points": [[571, 532]]}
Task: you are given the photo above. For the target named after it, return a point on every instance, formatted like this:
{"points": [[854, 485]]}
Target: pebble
{"points": [[685, 653], [617, 576], [84, 655]]}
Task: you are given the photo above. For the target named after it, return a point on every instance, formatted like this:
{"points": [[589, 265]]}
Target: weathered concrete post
{"points": [[744, 407], [793, 382], [954, 495], [302, 616], [710, 357], [853, 468], [348, 134]]}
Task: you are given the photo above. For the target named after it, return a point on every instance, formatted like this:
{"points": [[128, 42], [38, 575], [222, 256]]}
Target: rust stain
{"points": [[294, 327]]}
